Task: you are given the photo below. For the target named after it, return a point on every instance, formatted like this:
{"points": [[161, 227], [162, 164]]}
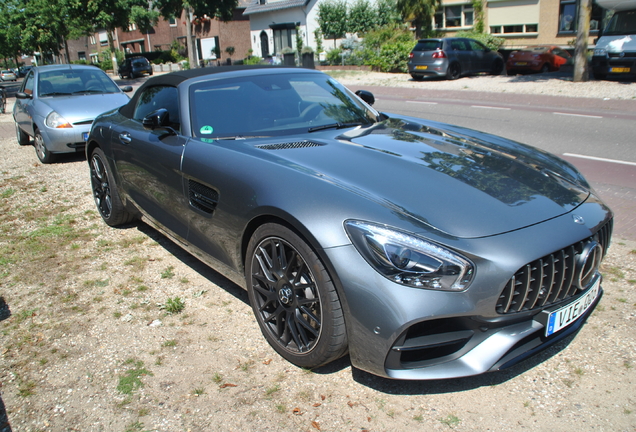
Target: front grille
{"points": [[548, 280], [290, 145]]}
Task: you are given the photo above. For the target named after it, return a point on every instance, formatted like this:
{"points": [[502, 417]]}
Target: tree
{"points": [[420, 13], [332, 19], [387, 13], [222, 9], [361, 17], [10, 34], [581, 69], [111, 14]]}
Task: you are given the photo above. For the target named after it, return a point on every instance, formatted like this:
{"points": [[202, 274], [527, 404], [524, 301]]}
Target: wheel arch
{"points": [[299, 229]]}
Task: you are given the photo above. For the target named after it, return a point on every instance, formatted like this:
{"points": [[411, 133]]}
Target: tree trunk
{"points": [[111, 44], [190, 40], [581, 69]]}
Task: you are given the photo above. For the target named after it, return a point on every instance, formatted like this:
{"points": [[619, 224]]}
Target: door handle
{"points": [[125, 138]]}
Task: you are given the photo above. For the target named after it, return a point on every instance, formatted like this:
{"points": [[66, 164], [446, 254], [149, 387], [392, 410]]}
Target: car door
{"points": [[149, 161], [480, 60], [461, 52], [22, 108]]}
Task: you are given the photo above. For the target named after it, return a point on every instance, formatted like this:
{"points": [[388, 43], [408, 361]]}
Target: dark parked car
{"points": [[134, 67], [56, 106], [24, 70], [423, 249], [452, 58], [539, 58]]}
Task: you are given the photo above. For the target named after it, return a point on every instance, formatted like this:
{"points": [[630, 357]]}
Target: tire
{"points": [[417, 77], [293, 298], [105, 192], [545, 68], [454, 71], [23, 137], [43, 153], [497, 67]]}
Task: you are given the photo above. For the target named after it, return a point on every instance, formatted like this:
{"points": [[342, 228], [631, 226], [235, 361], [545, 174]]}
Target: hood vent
{"points": [[290, 145]]}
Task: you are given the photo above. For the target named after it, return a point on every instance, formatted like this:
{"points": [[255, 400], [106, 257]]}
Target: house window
{"points": [[81, 55], [92, 39], [132, 27], [284, 36], [569, 18], [103, 38], [454, 16], [172, 22], [514, 28]]}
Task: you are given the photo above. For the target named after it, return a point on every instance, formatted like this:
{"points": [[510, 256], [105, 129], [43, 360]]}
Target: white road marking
{"points": [[599, 159], [576, 115], [420, 102], [490, 107]]}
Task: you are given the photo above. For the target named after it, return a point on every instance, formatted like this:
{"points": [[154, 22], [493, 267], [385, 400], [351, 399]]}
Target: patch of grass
{"points": [[7, 193], [198, 391], [137, 263], [271, 390], [173, 305], [96, 283], [135, 427], [131, 380], [281, 408], [26, 389], [168, 273], [170, 343], [217, 378], [450, 420]]}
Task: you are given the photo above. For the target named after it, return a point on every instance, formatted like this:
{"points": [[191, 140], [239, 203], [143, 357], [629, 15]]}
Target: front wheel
{"points": [[44, 154], [105, 192], [293, 298], [497, 67]]}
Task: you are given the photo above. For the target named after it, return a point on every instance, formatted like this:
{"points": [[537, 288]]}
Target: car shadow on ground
{"points": [[384, 385]]}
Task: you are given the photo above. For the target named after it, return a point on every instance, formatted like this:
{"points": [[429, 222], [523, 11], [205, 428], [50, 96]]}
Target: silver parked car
{"points": [[57, 104], [423, 249], [452, 58]]}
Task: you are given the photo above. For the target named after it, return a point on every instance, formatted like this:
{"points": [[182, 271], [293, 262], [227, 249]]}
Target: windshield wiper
{"points": [[338, 125], [55, 94], [238, 137]]}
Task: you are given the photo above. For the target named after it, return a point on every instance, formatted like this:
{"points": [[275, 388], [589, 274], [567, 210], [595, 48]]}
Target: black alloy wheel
{"points": [[293, 298], [454, 71], [105, 191]]}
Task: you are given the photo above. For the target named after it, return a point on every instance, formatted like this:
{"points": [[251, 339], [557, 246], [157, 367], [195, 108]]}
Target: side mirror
{"points": [[159, 119], [127, 89], [22, 95], [366, 96]]}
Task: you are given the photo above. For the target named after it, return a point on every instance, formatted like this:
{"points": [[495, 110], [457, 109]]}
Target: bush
{"points": [[492, 42], [392, 57], [253, 60]]}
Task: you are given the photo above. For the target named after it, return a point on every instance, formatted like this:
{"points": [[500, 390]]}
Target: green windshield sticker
{"points": [[207, 140], [206, 130]]}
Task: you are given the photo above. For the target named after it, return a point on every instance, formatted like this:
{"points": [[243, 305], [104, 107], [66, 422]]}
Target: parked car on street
{"points": [[537, 58], [452, 58], [423, 249], [134, 67], [7, 75], [57, 104], [23, 71]]}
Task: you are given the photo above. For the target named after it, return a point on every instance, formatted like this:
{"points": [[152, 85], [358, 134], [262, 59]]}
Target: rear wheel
{"points": [[44, 154], [545, 68], [105, 191], [293, 298], [497, 67], [417, 77], [23, 137], [454, 71]]}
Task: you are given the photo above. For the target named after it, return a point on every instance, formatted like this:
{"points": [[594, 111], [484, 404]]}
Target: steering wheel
{"points": [[311, 112]]}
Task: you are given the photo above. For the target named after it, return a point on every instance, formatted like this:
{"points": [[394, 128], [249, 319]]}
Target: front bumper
{"points": [[411, 333], [65, 140], [614, 64]]}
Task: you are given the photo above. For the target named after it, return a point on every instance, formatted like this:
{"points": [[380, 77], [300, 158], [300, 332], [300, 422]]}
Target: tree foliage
{"points": [[420, 13], [332, 19]]}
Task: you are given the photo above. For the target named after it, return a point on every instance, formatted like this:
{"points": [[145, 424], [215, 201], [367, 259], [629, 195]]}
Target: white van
{"points": [[615, 51]]}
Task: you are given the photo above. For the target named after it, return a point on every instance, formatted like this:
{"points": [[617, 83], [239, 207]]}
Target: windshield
{"points": [[70, 82], [622, 23], [273, 104]]}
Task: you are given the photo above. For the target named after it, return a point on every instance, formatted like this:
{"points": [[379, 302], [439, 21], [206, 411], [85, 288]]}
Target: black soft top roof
{"points": [[173, 79]]}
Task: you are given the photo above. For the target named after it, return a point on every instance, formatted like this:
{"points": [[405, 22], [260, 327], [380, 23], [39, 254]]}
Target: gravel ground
{"points": [[550, 84], [86, 342]]}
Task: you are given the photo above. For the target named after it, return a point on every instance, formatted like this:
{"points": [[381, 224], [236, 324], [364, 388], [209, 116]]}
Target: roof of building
{"points": [[255, 6]]}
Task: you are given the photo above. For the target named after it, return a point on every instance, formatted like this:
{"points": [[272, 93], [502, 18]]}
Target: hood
{"points": [[458, 181], [617, 44], [86, 107]]}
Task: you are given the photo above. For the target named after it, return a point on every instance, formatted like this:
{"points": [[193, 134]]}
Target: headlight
{"points": [[600, 52], [409, 260], [56, 121]]}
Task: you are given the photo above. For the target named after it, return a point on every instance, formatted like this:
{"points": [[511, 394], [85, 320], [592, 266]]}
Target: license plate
{"points": [[421, 67], [620, 70], [566, 315], [521, 63], [85, 136]]}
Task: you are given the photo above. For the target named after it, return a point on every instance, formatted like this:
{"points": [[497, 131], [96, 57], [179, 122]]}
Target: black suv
{"points": [[135, 67]]}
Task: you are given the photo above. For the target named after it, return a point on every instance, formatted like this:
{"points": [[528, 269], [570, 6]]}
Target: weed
{"points": [[418, 417], [627, 411], [217, 378], [198, 391], [168, 273], [131, 380], [96, 283], [170, 343], [271, 390], [7, 193], [579, 371], [627, 364], [281, 408], [622, 300], [173, 305], [184, 280], [142, 288], [26, 389], [116, 315], [143, 412], [450, 420], [135, 427]]}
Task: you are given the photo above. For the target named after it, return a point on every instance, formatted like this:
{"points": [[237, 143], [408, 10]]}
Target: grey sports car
{"points": [[422, 249]]}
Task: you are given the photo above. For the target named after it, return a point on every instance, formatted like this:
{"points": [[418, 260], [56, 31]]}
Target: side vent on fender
{"points": [[202, 197], [290, 145]]}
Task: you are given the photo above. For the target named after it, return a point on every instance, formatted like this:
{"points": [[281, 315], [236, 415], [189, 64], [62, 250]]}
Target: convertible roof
{"points": [[175, 78]]}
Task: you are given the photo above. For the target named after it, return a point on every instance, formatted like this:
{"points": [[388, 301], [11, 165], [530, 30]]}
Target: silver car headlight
{"points": [[56, 121], [409, 260]]}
